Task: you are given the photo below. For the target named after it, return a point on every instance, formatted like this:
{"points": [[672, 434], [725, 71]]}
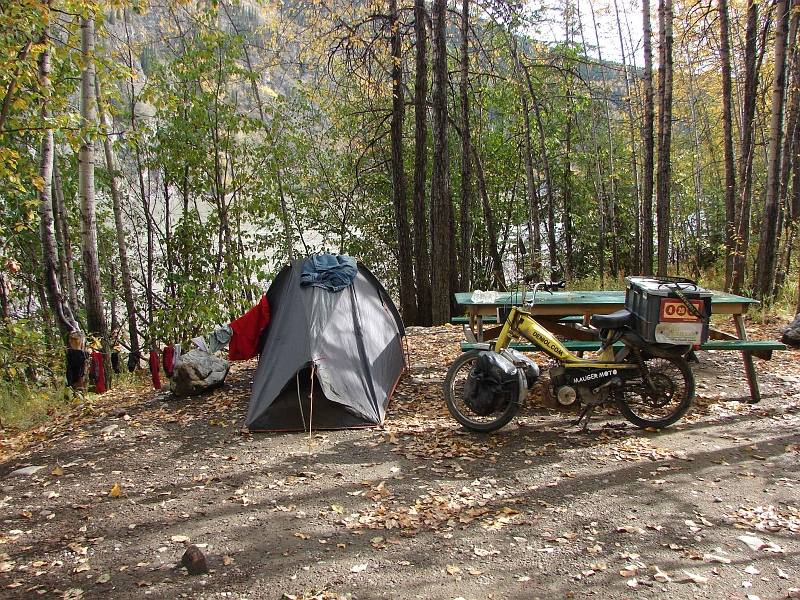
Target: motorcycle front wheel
{"points": [[454, 396], [663, 404]]}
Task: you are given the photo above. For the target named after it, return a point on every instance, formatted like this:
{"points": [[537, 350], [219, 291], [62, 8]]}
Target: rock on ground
{"points": [[198, 371]]}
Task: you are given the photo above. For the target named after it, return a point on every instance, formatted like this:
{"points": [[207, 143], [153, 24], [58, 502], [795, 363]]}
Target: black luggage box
{"points": [[662, 314]]}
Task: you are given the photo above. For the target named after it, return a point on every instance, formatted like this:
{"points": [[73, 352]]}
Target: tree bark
{"points": [[548, 180], [746, 149], [637, 250], [648, 145], [422, 260], [93, 294], [442, 230], [127, 283], [765, 264], [727, 137], [790, 140], [63, 229], [465, 266], [408, 300], [50, 263], [491, 232], [664, 178]]}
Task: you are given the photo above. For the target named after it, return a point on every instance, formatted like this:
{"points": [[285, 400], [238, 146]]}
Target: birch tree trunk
{"points": [[63, 229], [50, 263], [93, 294]]}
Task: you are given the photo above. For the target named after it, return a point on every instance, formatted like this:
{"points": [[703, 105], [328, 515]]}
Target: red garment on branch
{"points": [[247, 331], [168, 360], [154, 369], [97, 371]]}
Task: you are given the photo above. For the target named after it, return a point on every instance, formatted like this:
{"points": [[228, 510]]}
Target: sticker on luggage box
{"points": [[676, 310], [679, 333]]}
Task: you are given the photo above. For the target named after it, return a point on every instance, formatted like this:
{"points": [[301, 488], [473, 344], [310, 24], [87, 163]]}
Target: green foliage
{"points": [[30, 377]]}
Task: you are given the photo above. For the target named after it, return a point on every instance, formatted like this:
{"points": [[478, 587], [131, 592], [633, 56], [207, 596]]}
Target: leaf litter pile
{"points": [[142, 494]]}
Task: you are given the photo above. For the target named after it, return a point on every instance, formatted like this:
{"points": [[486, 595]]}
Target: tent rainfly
{"points": [[330, 360]]}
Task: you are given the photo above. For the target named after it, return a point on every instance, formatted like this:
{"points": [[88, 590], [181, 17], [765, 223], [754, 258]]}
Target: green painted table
{"points": [[549, 307]]}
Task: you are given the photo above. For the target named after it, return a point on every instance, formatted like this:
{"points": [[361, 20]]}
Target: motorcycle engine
{"points": [[593, 398]]}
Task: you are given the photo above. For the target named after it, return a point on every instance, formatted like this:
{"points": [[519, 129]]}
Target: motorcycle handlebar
{"points": [[546, 285]]}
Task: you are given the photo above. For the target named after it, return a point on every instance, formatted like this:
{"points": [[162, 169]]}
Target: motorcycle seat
{"points": [[615, 320]]}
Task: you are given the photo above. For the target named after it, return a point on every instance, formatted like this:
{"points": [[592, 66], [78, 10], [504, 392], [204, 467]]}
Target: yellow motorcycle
{"points": [[651, 383]]}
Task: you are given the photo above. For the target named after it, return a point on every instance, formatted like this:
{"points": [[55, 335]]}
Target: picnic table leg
{"points": [[747, 358]]}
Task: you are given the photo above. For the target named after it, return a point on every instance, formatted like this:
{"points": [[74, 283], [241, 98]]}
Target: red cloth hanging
{"points": [[154, 369], [247, 331], [97, 372], [168, 360]]}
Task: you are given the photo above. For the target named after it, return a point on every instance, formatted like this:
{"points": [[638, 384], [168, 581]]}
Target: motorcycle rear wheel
{"points": [[454, 396], [673, 396]]}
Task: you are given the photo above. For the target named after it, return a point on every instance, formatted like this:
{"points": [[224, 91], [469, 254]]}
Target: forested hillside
{"points": [[159, 161]]}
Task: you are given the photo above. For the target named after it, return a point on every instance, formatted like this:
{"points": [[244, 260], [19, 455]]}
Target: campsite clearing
{"points": [[419, 508]]}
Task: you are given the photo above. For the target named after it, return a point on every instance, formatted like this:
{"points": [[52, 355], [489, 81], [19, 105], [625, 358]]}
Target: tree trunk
{"points": [[637, 250], [93, 294], [765, 264], [465, 261], [727, 137], [648, 145], [663, 179], [60, 210], [533, 204], [408, 301], [612, 199], [127, 284], [790, 141], [491, 233], [568, 260], [50, 263], [746, 149], [422, 260], [442, 231], [548, 180]]}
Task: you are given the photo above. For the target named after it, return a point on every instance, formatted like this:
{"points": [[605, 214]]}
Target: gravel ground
{"points": [[420, 508]]}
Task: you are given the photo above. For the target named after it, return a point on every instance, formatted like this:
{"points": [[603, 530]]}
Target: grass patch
{"points": [[23, 406]]}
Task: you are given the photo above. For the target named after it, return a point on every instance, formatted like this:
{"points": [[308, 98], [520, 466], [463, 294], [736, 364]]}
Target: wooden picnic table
{"points": [[551, 308]]}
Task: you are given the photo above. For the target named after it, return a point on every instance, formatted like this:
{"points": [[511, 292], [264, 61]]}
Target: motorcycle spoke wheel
{"points": [[454, 396], [673, 395]]}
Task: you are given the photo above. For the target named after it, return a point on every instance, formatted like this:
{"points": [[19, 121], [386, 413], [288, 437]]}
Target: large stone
{"points": [[198, 371], [194, 560], [791, 332]]}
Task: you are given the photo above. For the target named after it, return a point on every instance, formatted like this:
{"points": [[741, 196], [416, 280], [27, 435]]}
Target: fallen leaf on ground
{"points": [[694, 578]]}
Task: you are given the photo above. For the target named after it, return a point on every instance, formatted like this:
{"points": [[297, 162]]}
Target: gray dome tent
{"points": [[341, 351]]}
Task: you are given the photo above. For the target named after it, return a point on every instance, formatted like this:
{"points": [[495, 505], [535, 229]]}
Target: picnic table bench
{"points": [[563, 312]]}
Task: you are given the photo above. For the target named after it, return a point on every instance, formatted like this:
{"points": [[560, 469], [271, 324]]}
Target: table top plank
{"points": [[591, 302]]}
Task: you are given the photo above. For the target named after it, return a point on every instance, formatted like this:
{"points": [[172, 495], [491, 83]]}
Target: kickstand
{"points": [[586, 414]]}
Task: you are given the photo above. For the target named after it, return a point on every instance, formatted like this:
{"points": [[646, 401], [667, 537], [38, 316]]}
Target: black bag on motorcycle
{"points": [[492, 381]]}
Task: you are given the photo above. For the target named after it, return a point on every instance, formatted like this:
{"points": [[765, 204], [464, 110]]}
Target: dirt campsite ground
{"points": [[109, 499]]}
